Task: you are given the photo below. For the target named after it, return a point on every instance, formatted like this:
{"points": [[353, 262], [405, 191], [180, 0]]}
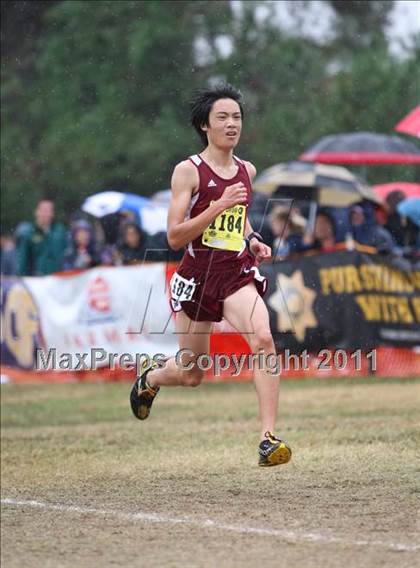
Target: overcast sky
{"points": [[314, 19], [405, 18]]}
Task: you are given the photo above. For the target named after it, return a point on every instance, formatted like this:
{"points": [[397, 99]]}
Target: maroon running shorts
{"points": [[200, 291]]}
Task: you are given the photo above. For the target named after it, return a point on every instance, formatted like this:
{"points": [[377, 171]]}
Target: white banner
{"points": [[115, 310]]}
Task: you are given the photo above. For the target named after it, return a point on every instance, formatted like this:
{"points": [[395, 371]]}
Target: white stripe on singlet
{"points": [[187, 216], [242, 248], [243, 242], [196, 159]]}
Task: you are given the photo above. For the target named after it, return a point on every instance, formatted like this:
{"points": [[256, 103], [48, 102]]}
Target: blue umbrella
{"points": [[150, 216], [410, 208], [108, 202]]}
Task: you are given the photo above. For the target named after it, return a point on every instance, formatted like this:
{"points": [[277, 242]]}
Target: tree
{"points": [[282, 78], [99, 100], [104, 105], [360, 24]]}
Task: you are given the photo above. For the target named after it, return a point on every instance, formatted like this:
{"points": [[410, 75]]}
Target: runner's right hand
{"points": [[234, 194]]}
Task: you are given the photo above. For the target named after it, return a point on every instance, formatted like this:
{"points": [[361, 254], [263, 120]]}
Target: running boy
{"points": [[217, 276]]}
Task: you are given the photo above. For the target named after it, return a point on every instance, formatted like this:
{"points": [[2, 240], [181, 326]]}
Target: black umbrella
{"points": [[362, 148], [329, 186]]}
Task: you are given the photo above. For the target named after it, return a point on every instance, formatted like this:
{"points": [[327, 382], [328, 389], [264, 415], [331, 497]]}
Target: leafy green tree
{"points": [[372, 94], [95, 93], [282, 78], [360, 24], [104, 105]]}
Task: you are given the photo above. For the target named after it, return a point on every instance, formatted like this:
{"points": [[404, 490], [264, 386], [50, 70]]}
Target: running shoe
{"points": [[142, 394], [273, 451]]}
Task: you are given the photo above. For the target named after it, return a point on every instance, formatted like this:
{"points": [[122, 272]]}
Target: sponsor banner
{"points": [[348, 300], [97, 312], [20, 329], [323, 305]]}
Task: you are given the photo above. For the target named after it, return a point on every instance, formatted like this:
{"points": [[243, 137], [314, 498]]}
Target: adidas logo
{"points": [[211, 184]]}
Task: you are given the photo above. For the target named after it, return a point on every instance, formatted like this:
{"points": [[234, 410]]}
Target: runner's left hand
{"points": [[260, 250]]}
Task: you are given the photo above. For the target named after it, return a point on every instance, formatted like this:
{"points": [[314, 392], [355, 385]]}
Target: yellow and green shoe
{"points": [[142, 394], [273, 451]]}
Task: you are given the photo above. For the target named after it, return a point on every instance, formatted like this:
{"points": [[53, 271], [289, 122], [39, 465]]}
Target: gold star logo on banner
{"points": [[293, 303]]}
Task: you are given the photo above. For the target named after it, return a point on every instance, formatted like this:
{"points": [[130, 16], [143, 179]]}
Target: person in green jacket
{"points": [[41, 247]]}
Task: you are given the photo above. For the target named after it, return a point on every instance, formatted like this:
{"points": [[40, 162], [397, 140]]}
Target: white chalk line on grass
{"points": [[289, 535]]}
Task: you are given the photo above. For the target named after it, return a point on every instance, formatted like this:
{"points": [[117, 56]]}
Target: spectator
{"points": [[394, 222], [287, 227], [106, 249], [23, 228], [41, 247], [111, 226], [81, 253], [159, 249], [382, 238], [134, 244], [324, 233], [359, 228], [8, 255], [137, 246], [372, 235]]}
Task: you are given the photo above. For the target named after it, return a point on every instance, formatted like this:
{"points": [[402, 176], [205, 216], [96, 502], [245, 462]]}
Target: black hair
{"points": [[203, 101]]}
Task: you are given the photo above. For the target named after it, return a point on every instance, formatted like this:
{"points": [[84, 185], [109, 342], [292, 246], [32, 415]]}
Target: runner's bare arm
{"points": [[248, 228], [184, 183], [251, 169], [261, 251], [252, 172]]}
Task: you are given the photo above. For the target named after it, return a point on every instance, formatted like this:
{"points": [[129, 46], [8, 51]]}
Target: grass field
{"points": [[85, 484]]}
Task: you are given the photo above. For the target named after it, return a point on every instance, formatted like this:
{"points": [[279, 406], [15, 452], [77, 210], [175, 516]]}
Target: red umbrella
{"points": [[410, 189], [362, 148], [411, 123]]}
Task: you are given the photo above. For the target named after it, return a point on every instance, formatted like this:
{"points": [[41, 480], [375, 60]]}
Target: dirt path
{"points": [[183, 489]]}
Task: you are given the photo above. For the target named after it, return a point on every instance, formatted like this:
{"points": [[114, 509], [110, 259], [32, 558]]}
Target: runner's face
{"points": [[225, 124]]}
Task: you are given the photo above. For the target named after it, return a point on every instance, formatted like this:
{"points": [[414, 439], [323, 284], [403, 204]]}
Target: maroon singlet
{"points": [[211, 187], [206, 276]]}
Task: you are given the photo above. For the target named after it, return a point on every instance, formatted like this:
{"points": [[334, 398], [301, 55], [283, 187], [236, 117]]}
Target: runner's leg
{"points": [[191, 335], [246, 312]]}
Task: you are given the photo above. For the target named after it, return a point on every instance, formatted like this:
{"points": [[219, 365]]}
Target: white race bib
{"points": [[182, 290]]}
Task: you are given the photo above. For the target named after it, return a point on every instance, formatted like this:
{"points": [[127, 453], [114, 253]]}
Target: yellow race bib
{"points": [[227, 230]]}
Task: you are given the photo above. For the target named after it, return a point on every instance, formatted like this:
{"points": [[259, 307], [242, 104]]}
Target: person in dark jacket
{"points": [[394, 223], [134, 244], [82, 252], [372, 233], [41, 247]]}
